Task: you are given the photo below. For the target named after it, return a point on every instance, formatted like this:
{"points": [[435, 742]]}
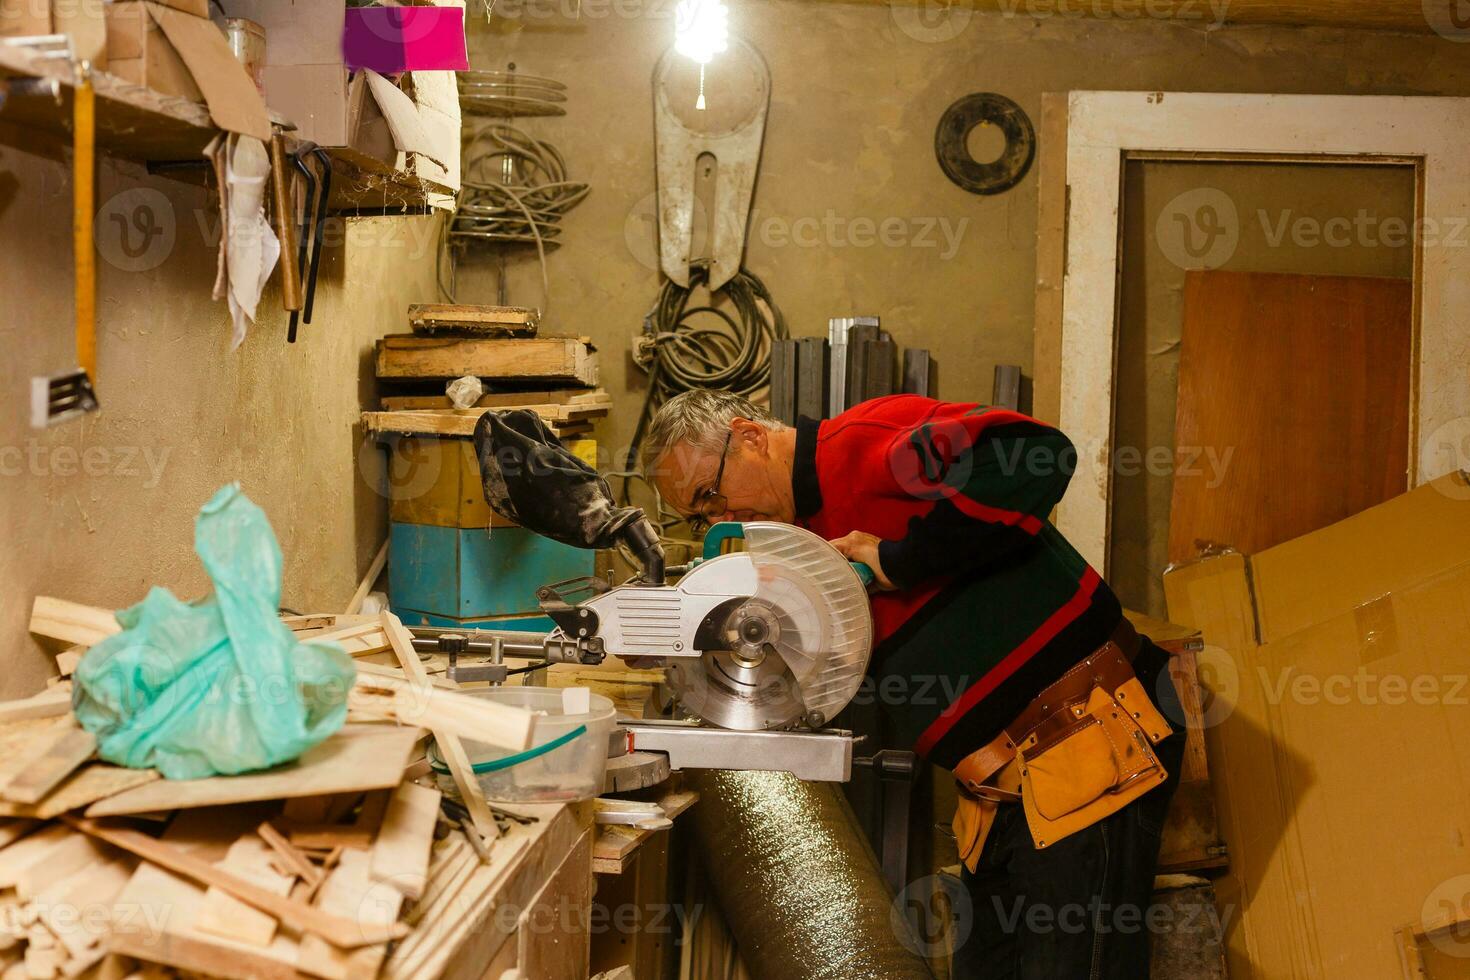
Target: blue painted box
{"points": [[467, 574]]}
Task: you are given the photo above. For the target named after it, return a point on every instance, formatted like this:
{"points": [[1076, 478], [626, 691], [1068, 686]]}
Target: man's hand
{"points": [[862, 546]]}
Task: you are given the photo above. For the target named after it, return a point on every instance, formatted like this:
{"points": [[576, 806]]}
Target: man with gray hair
{"points": [[1048, 705]]}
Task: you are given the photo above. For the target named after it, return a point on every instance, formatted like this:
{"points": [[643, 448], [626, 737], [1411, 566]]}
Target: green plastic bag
{"points": [[218, 686]]}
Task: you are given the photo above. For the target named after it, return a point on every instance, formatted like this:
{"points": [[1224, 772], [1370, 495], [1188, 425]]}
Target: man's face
{"points": [[756, 482]]}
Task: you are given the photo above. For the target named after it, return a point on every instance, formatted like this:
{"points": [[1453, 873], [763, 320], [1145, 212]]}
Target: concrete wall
{"points": [[857, 92], [100, 510]]}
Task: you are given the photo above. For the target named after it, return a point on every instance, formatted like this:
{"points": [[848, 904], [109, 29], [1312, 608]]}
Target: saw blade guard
{"points": [[795, 652]]}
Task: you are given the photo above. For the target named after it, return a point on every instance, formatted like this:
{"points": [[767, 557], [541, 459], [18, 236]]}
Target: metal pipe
{"points": [[511, 643], [798, 884]]}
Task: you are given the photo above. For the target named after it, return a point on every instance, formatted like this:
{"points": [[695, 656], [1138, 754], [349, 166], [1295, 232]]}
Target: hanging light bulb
{"points": [[701, 31]]}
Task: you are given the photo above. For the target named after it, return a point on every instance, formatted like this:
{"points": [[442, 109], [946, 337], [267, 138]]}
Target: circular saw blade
{"points": [[793, 653]]}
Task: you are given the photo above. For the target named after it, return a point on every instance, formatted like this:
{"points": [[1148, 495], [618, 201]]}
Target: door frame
{"points": [[1106, 129]]}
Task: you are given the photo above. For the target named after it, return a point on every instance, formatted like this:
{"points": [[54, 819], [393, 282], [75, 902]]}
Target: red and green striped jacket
{"points": [[993, 603]]}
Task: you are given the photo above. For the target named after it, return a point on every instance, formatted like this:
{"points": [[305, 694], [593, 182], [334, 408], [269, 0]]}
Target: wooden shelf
{"points": [[137, 123]]}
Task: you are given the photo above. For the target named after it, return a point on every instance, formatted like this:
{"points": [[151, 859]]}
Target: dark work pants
{"points": [[1078, 909]]}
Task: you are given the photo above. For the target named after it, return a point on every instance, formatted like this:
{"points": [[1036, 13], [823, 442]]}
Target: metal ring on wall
{"points": [[951, 148]]}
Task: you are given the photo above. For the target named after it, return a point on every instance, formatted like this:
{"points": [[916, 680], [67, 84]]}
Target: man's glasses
{"points": [[710, 504]]}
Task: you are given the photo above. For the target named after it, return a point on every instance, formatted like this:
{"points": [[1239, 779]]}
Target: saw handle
{"points": [[717, 535]]}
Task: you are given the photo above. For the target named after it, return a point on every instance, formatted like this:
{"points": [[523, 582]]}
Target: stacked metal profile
{"points": [[820, 377]]}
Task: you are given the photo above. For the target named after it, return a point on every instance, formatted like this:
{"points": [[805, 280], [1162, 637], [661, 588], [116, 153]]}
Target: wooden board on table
{"points": [[501, 399], [225, 915], [171, 934], [543, 359], [521, 862], [62, 751], [358, 639], [401, 853], [50, 703], [93, 782], [501, 321], [68, 660], [565, 419], [1305, 380], [71, 622], [350, 892], [360, 833], [357, 758]]}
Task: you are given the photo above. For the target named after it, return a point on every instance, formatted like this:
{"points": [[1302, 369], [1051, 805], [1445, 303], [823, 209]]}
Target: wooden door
{"points": [[1293, 405]]}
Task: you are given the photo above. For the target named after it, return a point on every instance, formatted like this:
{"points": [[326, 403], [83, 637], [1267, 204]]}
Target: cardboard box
{"points": [[320, 99], [1340, 732], [445, 139], [139, 52], [82, 20], [199, 8], [25, 18], [297, 32]]}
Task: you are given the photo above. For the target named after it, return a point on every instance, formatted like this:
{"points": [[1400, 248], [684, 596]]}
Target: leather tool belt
{"points": [[1081, 751]]}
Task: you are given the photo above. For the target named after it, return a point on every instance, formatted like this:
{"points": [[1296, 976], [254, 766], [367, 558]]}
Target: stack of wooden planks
{"points": [[340, 864], [554, 376], [569, 413]]}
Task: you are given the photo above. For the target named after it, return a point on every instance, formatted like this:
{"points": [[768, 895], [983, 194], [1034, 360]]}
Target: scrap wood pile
{"points": [[461, 361], [343, 863]]}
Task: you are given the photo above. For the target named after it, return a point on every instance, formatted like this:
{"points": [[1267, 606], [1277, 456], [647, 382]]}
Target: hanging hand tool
{"points": [[324, 194], [65, 396], [283, 203], [313, 224]]}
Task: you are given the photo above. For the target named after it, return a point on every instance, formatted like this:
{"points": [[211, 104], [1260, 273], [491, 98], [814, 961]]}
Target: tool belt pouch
{"points": [[1089, 759], [984, 781], [973, 818]]}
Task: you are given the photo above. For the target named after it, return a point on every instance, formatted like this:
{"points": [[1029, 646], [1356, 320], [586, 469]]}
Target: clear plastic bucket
{"points": [[567, 760]]}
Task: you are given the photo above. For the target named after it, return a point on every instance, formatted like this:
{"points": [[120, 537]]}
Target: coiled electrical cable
{"points": [[708, 346], [515, 191]]}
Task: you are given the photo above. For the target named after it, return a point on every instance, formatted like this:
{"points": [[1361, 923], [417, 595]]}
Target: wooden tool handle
{"points": [[84, 197], [284, 205]]}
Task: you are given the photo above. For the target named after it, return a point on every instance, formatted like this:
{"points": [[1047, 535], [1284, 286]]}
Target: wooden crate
{"points": [[567, 360]]}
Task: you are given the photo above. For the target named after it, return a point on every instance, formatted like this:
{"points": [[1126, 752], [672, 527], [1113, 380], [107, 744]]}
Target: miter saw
{"points": [[763, 646]]}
